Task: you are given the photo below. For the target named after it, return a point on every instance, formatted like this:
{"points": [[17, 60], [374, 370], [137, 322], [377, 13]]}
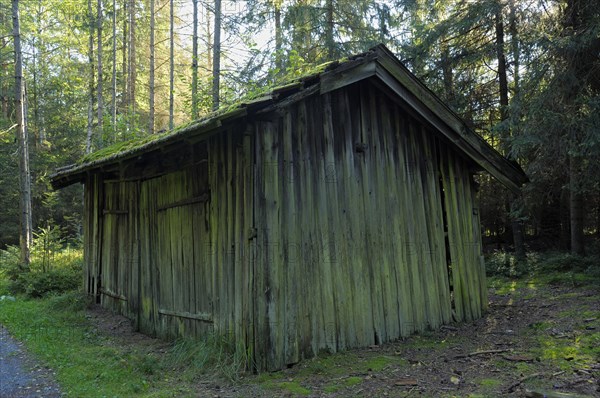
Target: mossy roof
{"points": [[123, 149], [324, 77]]}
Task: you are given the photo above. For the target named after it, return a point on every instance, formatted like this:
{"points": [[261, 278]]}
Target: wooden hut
{"points": [[338, 211]]}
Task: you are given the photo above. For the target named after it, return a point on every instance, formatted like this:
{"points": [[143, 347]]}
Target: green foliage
{"points": [[38, 284], [54, 268], [561, 261], [554, 266], [87, 362], [501, 263], [215, 354], [71, 301]]}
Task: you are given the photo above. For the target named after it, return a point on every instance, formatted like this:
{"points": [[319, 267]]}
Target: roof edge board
{"points": [[335, 79], [390, 63], [507, 177]]}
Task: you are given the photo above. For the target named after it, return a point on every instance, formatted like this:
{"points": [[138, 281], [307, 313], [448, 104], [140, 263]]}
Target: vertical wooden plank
{"points": [[422, 218], [387, 181], [260, 272], [324, 234], [365, 313], [374, 208], [307, 296], [292, 246], [436, 227], [479, 260], [214, 181], [248, 238], [344, 136]]}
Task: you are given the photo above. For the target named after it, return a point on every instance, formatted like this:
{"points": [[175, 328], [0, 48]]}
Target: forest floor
{"points": [[540, 336]]}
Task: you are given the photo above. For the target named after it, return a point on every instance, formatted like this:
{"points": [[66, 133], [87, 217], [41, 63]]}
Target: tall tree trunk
{"points": [[576, 205], [195, 63], [132, 65], [216, 72], [515, 200], [38, 142], [151, 88], [3, 66], [329, 43], [447, 75], [124, 63], [209, 39], [100, 77], [114, 70], [36, 51], [24, 175], [573, 24], [90, 118], [278, 37], [171, 62], [502, 77], [514, 40], [565, 220]]}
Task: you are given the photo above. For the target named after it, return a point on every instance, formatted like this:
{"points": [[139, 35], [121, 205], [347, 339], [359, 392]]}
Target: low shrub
{"points": [[501, 263], [72, 301], [505, 264], [564, 261], [50, 271], [39, 284]]}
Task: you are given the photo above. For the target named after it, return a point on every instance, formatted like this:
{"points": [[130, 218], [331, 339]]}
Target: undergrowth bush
{"points": [[72, 301], [55, 266], [505, 264], [501, 263], [39, 284], [561, 261]]}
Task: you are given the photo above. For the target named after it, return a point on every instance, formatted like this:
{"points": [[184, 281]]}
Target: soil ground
{"points": [[542, 340]]}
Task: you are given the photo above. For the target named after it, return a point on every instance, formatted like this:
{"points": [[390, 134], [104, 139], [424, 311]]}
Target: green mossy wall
{"points": [[319, 226]]}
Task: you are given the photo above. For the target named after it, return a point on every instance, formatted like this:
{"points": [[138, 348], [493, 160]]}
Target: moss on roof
{"points": [[119, 147], [288, 81]]}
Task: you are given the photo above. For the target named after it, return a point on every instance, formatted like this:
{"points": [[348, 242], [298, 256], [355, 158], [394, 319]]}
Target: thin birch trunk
{"points": [[99, 86], [195, 63], [171, 63], [216, 57], [22, 139], [90, 118], [151, 89], [114, 70]]}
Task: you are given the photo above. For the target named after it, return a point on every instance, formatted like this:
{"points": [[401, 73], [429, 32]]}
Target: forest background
{"points": [[525, 75]]}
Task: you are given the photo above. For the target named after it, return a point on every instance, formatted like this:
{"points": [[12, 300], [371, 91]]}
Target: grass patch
{"points": [[490, 384], [85, 364], [331, 365], [90, 364], [541, 326], [213, 356], [290, 387], [345, 383], [569, 354], [377, 364]]}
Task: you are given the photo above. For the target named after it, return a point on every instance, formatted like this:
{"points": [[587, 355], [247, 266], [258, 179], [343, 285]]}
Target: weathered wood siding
{"points": [[175, 250], [351, 233], [464, 235], [341, 220]]}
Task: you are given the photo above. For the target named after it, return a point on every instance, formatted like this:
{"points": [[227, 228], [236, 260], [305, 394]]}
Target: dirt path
{"points": [[534, 341], [542, 340], [20, 375]]}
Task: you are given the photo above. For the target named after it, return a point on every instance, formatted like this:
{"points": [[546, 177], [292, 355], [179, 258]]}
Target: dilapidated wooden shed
{"points": [[338, 211]]}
